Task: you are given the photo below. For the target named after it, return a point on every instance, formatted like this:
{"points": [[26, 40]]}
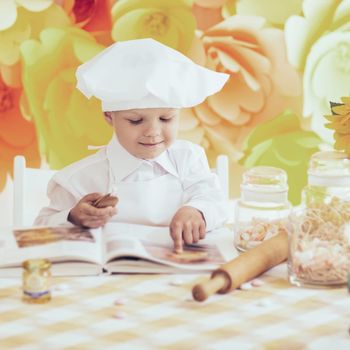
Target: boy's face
{"points": [[145, 133]]}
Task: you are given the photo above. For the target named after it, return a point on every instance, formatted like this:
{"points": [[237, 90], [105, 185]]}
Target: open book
{"points": [[116, 248]]}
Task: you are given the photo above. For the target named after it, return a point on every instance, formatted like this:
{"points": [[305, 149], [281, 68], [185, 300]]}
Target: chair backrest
{"points": [[29, 192], [222, 170]]}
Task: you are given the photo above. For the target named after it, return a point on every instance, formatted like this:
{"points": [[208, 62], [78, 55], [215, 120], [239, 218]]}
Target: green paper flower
{"points": [[282, 143]]}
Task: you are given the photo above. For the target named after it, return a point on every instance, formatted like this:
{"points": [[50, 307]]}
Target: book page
{"points": [[63, 243], [155, 244], [122, 239]]}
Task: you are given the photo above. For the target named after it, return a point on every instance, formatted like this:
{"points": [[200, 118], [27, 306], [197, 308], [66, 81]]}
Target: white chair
{"points": [[222, 170], [30, 188], [29, 192]]}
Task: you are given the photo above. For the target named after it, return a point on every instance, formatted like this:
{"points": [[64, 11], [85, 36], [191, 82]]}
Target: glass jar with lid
{"points": [[36, 281], [263, 207], [319, 237]]}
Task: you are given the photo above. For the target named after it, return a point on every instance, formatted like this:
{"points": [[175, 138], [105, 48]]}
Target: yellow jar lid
{"points": [[33, 264]]}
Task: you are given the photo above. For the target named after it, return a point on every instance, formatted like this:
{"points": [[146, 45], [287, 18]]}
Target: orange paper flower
{"points": [[207, 13], [17, 135], [91, 15], [262, 84]]}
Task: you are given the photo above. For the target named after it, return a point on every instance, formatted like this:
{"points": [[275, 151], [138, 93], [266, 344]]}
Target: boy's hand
{"points": [[86, 215], [187, 226]]}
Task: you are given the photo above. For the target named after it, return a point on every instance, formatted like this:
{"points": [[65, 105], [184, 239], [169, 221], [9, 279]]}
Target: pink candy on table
{"points": [[253, 283], [119, 314], [120, 301], [256, 282]]}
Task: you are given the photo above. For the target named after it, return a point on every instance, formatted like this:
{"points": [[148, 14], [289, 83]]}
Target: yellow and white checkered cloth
{"points": [[160, 315]]}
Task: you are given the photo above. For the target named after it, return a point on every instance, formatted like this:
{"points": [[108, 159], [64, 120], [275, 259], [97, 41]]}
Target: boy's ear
{"points": [[108, 117]]}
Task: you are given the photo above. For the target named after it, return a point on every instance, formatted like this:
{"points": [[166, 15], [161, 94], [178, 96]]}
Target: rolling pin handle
{"points": [[202, 291]]}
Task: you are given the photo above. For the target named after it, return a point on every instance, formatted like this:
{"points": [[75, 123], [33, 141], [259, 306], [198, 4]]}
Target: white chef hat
{"points": [[144, 73]]}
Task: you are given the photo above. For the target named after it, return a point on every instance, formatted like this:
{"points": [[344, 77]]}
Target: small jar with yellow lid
{"points": [[36, 281]]}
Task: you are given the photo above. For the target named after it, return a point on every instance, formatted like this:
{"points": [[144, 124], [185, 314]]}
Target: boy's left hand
{"points": [[187, 226]]}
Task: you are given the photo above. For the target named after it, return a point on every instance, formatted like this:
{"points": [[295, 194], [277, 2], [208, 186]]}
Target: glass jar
{"points": [[36, 281], [319, 237], [263, 208]]}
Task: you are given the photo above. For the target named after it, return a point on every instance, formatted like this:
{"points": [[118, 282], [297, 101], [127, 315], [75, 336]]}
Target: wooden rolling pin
{"points": [[246, 266]]}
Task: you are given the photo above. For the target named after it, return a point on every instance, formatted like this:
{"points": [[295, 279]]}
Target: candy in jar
{"points": [[263, 207], [319, 233]]}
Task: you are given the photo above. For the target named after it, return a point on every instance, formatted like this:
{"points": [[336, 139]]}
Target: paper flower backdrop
{"points": [[318, 44], [17, 135], [170, 22], [65, 120], [282, 143], [291, 56], [262, 84]]}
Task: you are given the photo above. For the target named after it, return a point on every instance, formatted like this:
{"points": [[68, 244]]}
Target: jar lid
{"points": [[265, 179], [329, 168], [265, 183], [34, 264]]}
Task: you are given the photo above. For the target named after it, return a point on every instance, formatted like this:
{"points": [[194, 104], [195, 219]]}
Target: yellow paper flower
{"points": [[342, 109], [27, 25], [65, 120], [340, 123], [282, 143], [9, 10], [17, 135], [261, 85], [318, 44], [275, 11], [229, 8], [169, 22], [209, 3]]}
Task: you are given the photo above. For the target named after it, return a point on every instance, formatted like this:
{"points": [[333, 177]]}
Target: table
{"points": [[158, 312]]}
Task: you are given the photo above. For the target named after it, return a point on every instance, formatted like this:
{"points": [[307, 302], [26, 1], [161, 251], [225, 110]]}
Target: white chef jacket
{"points": [[149, 191]]}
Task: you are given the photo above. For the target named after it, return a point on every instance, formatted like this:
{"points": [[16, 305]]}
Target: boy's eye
{"points": [[165, 120], [135, 122]]}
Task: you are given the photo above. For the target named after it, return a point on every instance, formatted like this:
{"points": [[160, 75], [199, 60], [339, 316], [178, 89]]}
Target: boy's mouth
{"points": [[153, 144]]}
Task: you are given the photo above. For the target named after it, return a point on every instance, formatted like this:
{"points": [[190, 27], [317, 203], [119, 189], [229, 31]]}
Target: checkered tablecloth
{"points": [[158, 312]]}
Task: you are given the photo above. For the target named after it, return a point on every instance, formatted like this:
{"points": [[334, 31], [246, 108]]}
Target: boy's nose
{"points": [[152, 131]]}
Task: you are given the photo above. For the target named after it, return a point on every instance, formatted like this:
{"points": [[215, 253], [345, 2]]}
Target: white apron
{"points": [[151, 202]]}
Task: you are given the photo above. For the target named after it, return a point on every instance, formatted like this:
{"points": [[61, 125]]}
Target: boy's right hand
{"points": [[86, 215]]}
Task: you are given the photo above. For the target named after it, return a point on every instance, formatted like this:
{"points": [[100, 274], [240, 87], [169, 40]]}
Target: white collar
{"points": [[123, 163]]}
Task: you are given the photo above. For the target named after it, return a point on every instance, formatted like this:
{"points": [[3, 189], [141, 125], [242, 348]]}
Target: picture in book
{"points": [[45, 235], [191, 254]]}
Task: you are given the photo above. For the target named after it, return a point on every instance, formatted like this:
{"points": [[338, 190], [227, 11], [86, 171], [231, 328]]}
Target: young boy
{"points": [[158, 180]]}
